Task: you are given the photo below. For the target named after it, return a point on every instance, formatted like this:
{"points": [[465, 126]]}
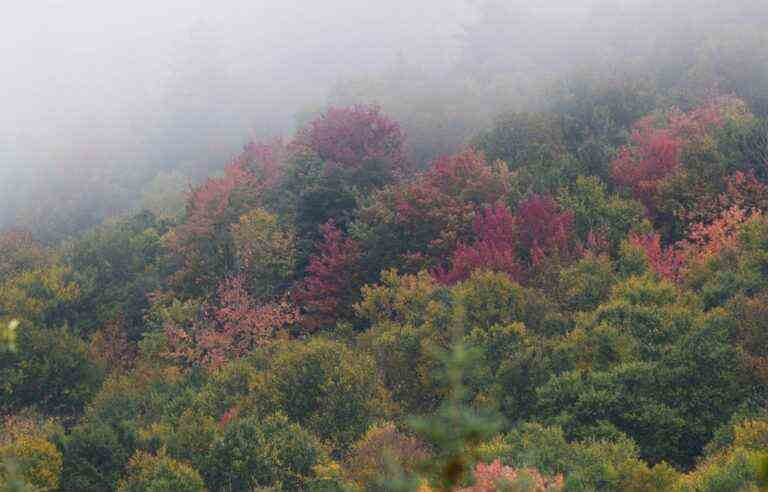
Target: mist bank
{"points": [[100, 102]]}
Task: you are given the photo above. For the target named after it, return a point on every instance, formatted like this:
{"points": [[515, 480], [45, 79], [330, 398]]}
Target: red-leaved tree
{"points": [[201, 246], [504, 242], [332, 278], [495, 248], [657, 147], [496, 476], [704, 241], [653, 155], [708, 239], [350, 137], [666, 261], [229, 328], [542, 229], [421, 221], [742, 190]]}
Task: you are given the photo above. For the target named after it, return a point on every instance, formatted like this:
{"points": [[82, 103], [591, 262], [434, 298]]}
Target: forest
{"points": [[524, 272]]}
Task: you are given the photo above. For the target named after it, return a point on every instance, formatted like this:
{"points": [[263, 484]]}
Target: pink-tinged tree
{"points": [[495, 248], [228, 329], [597, 242], [420, 222], [240, 324], [266, 161], [202, 245], [745, 191], [660, 147], [704, 241], [496, 476], [326, 293], [351, 137], [666, 261], [468, 177], [707, 239], [653, 155], [342, 155], [742, 191], [542, 229]]}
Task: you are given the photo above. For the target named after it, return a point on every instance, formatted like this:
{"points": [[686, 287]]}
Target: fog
{"points": [[75, 67], [98, 96], [83, 82]]}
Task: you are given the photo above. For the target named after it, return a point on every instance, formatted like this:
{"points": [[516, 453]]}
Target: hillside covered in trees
{"points": [[414, 292]]}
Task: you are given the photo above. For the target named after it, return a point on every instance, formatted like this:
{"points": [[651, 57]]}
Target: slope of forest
{"points": [[574, 298]]}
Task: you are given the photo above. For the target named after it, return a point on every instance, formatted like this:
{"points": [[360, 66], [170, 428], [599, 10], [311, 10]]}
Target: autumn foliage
{"points": [[513, 243], [704, 241], [326, 291], [543, 229], [495, 248], [351, 137], [665, 260], [496, 476], [421, 221], [660, 145], [587, 316], [742, 190], [202, 244], [229, 328]]}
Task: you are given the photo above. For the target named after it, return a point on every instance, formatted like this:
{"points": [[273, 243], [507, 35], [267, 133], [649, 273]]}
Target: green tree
{"points": [[95, 456], [51, 370], [266, 252], [159, 473], [117, 265], [263, 452], [323, 386], [48, 296], [600, 216]]}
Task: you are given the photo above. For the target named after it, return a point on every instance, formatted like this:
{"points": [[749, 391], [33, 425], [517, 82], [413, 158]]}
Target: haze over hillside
{"points": [[426, 246], [94, 86], [99, 95]]}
